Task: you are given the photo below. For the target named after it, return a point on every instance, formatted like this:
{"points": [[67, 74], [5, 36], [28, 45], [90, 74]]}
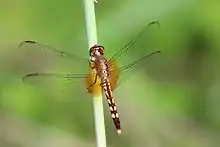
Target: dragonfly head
{"points": [[96, 50]]}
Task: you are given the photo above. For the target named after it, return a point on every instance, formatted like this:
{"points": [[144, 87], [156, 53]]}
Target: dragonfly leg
{"points": [[96, 77]]}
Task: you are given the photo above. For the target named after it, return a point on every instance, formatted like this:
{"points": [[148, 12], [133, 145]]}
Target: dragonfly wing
{"points": [[52, 79], [134, 55], [39, 77], [135, 63], [143, 39], [120, 74], [43, 58], [46, 67]]}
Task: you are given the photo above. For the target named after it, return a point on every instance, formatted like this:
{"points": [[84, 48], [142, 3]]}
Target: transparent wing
{"points": [[143, 38], [38, 57], [135, 55], [39, 77], [60, 76], [144, 63], [135, 63], [44, 65]]}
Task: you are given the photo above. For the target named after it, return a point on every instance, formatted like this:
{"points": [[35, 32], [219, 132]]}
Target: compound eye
{"points": [[91, 51], [101, 50], [92, 59]]}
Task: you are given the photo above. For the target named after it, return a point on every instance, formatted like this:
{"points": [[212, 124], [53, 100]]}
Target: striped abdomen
{"points": [[112, 106]]}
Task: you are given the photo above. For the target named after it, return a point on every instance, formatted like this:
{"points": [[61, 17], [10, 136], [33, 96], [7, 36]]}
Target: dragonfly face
{"points": [[107, 69], [96, 50]]}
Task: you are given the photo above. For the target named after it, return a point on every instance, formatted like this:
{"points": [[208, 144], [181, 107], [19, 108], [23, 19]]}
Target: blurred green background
{"points": [[173, 103]]}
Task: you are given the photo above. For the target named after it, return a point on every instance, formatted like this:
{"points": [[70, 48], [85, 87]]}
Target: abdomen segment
{"points": [[113, 109]]}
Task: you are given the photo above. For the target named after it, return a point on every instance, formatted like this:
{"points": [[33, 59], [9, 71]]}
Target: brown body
{"points": [[108, 79]]}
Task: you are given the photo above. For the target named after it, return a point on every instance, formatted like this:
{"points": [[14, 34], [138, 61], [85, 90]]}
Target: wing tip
{"points": [[155, 52], [29, 41], [158, 51], [29, 75], [26, 41], [24, 78], [154, 22]]}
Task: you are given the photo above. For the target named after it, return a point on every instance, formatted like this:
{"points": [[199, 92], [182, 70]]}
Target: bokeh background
{"points": [[173, 102]]}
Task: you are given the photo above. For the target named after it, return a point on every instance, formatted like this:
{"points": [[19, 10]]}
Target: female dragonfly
{"points": [[107, 73]]}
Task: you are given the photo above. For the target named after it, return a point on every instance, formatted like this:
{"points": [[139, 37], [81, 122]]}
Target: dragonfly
{"points": [[103, 72]]}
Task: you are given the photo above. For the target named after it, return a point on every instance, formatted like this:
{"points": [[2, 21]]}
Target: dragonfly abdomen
{"points": [[112, 105]]}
